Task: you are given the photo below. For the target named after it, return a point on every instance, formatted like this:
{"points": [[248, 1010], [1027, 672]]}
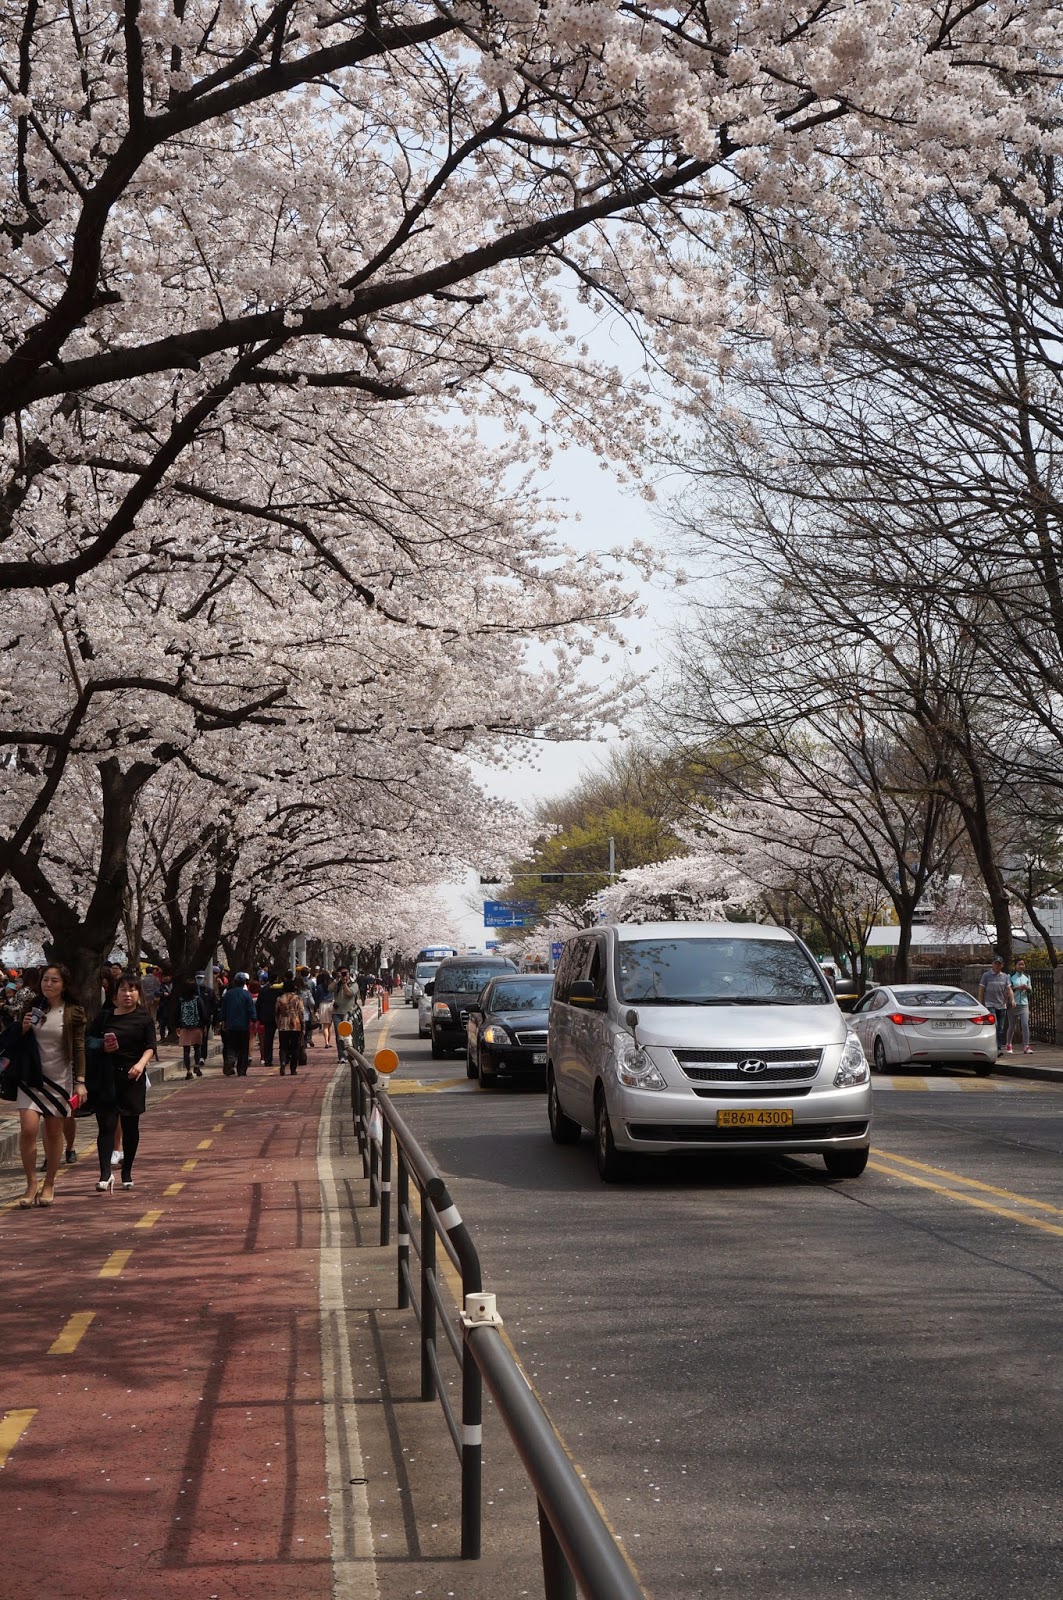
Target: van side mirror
{"points": [[846, 1002], [429, 988], [584, 994]]}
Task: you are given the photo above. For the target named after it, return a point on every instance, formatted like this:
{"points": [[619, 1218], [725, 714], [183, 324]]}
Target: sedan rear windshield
{"points": [[466, 980], [935, 997], [424, 970], [521, 996], [714, 972]]}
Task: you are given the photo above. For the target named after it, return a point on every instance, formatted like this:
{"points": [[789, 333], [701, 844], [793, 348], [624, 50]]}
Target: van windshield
{"points": [[718, 972]]}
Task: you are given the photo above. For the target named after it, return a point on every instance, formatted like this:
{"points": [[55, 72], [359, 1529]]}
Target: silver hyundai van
{"points": [[707, 1036]]}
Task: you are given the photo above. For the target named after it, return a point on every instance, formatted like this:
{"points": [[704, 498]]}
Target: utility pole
{"points": [[612, 857]]}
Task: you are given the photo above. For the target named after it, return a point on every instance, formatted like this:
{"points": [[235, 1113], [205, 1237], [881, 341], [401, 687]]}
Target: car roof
{"points": [[700, 930], [503, 963]]}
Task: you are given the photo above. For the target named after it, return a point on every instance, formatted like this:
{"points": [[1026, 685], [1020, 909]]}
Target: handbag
{"points": [[8, 1081], [302, 1050]]}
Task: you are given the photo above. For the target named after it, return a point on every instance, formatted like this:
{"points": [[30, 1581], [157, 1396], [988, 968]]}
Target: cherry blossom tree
{"points": [[231, 234]]}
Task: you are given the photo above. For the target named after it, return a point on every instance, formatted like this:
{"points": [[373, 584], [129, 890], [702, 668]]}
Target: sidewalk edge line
{"points": [[353, 1564]]}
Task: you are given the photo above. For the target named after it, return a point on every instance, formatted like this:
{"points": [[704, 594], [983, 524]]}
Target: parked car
{"points": [[925, 1023], [506, 1031], [424, 1015], [414, 987], [713, 1036], [458, 981]]}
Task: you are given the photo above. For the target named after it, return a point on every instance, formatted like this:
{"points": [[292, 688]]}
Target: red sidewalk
{"points": [[178, 1450]]}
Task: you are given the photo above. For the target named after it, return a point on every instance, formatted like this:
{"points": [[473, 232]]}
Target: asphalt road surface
{"points": [[777, 1385]]}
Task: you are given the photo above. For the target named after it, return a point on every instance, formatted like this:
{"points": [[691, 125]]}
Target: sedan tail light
{"points": [[988, 1021], [903, 1020]]}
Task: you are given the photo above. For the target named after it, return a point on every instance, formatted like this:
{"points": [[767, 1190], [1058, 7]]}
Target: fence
{"points": [[576, 1545]]}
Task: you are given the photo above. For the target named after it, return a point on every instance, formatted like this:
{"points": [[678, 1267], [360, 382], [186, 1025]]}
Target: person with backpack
{"points": [[192, 1019], [236, 1014]]}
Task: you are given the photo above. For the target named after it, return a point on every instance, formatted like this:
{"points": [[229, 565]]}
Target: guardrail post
{"points": [[404, 1236], [428, 1305], [385, 1184], [374, 1159], [558, 1582]]}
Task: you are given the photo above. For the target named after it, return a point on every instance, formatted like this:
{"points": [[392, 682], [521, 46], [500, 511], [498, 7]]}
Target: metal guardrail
{"points": [[577, 1547]]}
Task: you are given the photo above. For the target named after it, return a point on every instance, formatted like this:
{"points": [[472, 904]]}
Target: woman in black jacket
{"points": [[121, 1043]]}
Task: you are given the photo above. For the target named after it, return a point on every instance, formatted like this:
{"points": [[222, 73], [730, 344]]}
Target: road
{"points": [[780, 1387]]}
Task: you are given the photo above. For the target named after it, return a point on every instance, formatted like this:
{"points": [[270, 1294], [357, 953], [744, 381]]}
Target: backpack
{"points": [[190, 1017]]}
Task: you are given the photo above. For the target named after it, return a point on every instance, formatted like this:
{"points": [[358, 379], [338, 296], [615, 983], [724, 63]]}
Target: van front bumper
{"points": [[647, 1119]]}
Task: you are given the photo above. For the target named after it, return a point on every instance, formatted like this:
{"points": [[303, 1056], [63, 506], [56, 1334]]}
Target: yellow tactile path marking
{"points": [[219, 1127], [204, 1144], [229, 1113], [72, 1334], [148, 1220], [187, 1166], [114, 1264], [174, 1188], [13, 1425]]}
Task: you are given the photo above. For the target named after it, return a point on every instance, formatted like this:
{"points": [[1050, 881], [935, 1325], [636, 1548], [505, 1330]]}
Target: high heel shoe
{"points": [[27, 1200], [39, 1200], [105, 1185]]}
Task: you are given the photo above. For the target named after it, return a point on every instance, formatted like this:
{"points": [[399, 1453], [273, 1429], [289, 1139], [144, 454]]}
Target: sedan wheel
{"points": [[613, 1165], [879, 1052]]}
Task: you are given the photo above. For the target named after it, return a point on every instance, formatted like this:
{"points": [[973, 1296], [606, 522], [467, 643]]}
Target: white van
{"points": [[702, 1035]]}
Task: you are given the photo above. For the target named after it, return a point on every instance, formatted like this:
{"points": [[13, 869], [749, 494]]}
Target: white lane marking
{"points": [[353, 1567]]}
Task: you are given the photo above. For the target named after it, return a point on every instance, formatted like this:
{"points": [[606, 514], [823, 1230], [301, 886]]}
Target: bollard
{"points": [[385, 1184], [404, 1237]]}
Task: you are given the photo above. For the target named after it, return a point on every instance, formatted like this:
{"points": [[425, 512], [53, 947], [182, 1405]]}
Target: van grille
{"points": [[707, 1133], [792, 1065]]}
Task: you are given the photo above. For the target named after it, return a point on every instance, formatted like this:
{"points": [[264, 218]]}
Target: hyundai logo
{"points": [[752, 1066]]}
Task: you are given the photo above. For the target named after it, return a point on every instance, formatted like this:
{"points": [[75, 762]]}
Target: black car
{"points": [[457, 983], [506, 1031]]}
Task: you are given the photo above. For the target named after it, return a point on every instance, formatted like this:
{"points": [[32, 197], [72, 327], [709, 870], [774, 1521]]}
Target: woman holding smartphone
{"points": [[121, 1047]]}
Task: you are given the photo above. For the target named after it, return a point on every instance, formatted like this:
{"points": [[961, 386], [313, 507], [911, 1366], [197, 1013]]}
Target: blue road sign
{"points": [[555, 950], [508, 914]]}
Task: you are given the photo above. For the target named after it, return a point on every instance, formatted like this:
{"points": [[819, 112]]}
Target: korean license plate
{"points": [[950, 1024], [539, 1058], [754, 1118]]}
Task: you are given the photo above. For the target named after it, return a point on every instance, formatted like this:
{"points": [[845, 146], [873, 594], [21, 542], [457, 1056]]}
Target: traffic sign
{"points": [[508, 913], [555, 950]]}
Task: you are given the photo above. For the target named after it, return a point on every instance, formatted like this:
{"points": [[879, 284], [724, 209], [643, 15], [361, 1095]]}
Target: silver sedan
{"points": [[424, 1015], [912, 1024]]}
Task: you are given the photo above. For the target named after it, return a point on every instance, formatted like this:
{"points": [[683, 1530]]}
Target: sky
{"points": [[609, 513]]}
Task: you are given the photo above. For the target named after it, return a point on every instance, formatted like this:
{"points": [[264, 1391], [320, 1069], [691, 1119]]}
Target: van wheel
{"points": [[562, 1128], [470, 1064], [845, 1163], [613, 1165], [437, 1049]]}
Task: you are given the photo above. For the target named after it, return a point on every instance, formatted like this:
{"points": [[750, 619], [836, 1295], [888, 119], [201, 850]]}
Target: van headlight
{"points": [[852, 1068], [634, 1069], [440, 1009]]}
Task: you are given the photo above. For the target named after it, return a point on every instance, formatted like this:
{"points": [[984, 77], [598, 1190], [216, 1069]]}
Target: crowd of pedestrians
{"points": [[57, 1065]]}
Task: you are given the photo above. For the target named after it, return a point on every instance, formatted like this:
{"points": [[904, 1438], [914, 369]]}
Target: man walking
{"points": [[994, 992], [237, 1012], [344, 1002]]}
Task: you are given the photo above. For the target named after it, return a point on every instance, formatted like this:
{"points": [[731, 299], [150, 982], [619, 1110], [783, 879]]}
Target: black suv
{"points": [[457, 981]]}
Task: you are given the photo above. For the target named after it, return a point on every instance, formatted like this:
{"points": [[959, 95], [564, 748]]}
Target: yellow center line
{"points": [[175, 1188], [72, 1334], [204, 1144], [13, 1425], [909, 1083], [114, 1264], [970, 1183], [148, 1220], [967, 1199], [186, 1166]]}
